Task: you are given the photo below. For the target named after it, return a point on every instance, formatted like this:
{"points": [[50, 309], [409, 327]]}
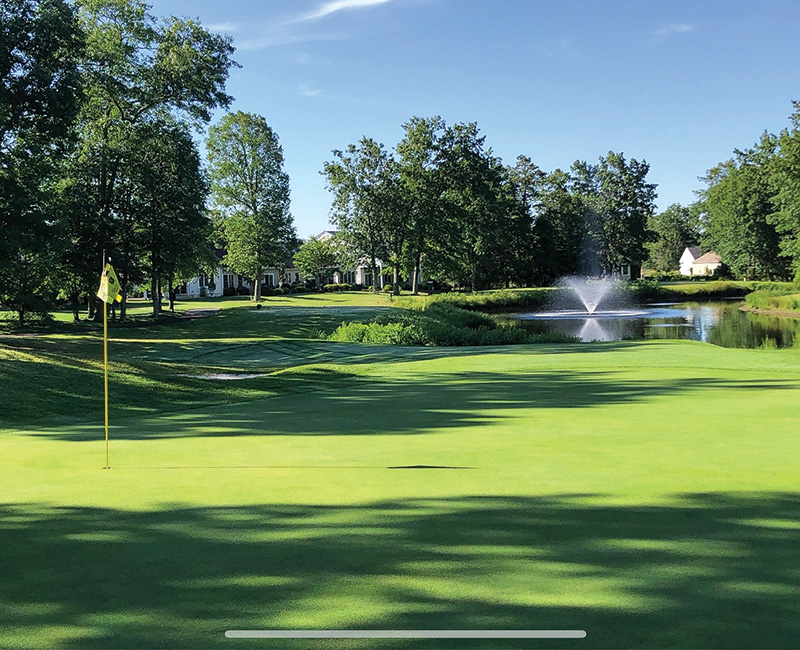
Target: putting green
{"points": [[644, 492]]}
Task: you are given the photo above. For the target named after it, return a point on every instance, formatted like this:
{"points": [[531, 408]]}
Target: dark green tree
{"points": [[738, 211], [40, 93], [138, 69], [785, 183], [419, 155]]}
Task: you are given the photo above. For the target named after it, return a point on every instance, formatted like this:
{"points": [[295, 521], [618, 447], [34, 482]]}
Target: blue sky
{"points": [[677, 83]]}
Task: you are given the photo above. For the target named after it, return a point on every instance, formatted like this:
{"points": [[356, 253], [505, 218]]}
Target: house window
{"points": [[269, 279], [625, 270], [227, 280]]}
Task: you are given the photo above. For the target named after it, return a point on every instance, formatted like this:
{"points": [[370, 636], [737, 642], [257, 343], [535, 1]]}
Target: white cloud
{"points": [[672, 30], [277, 38], [333, 6], [224, 27], [307, 91]]}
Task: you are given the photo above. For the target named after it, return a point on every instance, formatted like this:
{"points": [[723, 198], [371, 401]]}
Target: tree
{"points": [[627, 203], [316, 258], [674, 231], [418, 157], [526, 232], [137, 70], [364, 184], [39, 97], [559, 228], [163, 206], [785, 184], [251, 191], [738, 211], [475, 204]]}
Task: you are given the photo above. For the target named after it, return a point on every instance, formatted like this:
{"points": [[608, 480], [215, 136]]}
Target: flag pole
{"points": [[105, 361]]}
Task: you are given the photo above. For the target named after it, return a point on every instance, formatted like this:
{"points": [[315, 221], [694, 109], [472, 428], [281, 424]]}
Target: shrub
{"points": [[267, 290], [300, 289], [229, 291], [387, 288], [337, 286], [278, 292], [242, 291], [437, 325]]}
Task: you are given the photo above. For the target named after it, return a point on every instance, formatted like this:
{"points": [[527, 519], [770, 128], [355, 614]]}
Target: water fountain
{"points": [[589, 309]]}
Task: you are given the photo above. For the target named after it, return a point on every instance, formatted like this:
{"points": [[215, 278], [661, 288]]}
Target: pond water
{"points": [[719, 323]]}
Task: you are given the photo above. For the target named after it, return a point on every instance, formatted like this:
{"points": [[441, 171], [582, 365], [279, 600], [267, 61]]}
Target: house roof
{"points": [[708, 258], [694, 251]]}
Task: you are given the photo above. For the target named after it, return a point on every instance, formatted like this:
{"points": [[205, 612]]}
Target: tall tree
{"points": [[164, 207], [738, 212], [251, 191], [785, 183], [559, 228], [475, 202], [419, 157], [363, 180], [526, 231], [627, 202], [137, 70], [40, 92]]}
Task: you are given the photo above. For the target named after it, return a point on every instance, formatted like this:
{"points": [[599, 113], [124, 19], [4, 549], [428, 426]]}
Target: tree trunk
{"points": [[257, 286], [155, 295], [21, 313], [375, 280], [75, 309], [415, 275], [396, 281]]}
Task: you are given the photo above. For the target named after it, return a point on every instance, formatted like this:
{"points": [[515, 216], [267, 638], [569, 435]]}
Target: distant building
{"points": [[690, 254], [694, 262]]}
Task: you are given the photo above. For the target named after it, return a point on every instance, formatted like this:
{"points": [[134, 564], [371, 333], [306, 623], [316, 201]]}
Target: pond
{"points": [[719, 323]]}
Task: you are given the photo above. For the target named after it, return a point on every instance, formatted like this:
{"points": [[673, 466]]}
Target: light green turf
{"points": [[645, 492]]}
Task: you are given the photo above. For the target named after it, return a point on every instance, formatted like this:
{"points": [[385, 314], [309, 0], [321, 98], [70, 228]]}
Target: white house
{"points": [[690, 254], [222, 278], [695, 262], [706, 264]]}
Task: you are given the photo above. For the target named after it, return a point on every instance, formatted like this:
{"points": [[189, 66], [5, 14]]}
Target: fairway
{"points": [[645, 492]]}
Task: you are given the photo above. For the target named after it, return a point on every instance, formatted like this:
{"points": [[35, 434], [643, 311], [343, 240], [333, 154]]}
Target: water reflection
{"points": [[722, 324]]}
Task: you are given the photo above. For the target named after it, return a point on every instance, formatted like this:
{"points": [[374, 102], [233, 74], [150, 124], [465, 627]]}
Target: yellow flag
{"points": [[109, 286]]}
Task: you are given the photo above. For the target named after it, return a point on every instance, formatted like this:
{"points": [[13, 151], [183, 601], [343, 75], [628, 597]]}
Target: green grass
{"points": [[645, 492]]}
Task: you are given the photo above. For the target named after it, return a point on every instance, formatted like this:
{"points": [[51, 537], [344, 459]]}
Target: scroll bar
{"points": [[405, 634]]}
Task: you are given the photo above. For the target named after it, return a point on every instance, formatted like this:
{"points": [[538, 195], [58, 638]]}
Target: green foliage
{"points": [[495, 300], [337, 286], [438, 325], [40, 93], [737, 207], [316, 258], [251, 190], [674, 230], [775, 299], [786, 185]]}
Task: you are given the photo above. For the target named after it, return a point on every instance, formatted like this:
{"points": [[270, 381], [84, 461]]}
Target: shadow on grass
{"points": [[333, 402], [704, 571]]}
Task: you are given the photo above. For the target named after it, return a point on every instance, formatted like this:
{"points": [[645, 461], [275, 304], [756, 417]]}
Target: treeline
{"points": [[441, 199], [750, 211]]}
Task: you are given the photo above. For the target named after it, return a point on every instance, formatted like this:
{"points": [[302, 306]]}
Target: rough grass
{"points": [[644, 492], [786, 300]]}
